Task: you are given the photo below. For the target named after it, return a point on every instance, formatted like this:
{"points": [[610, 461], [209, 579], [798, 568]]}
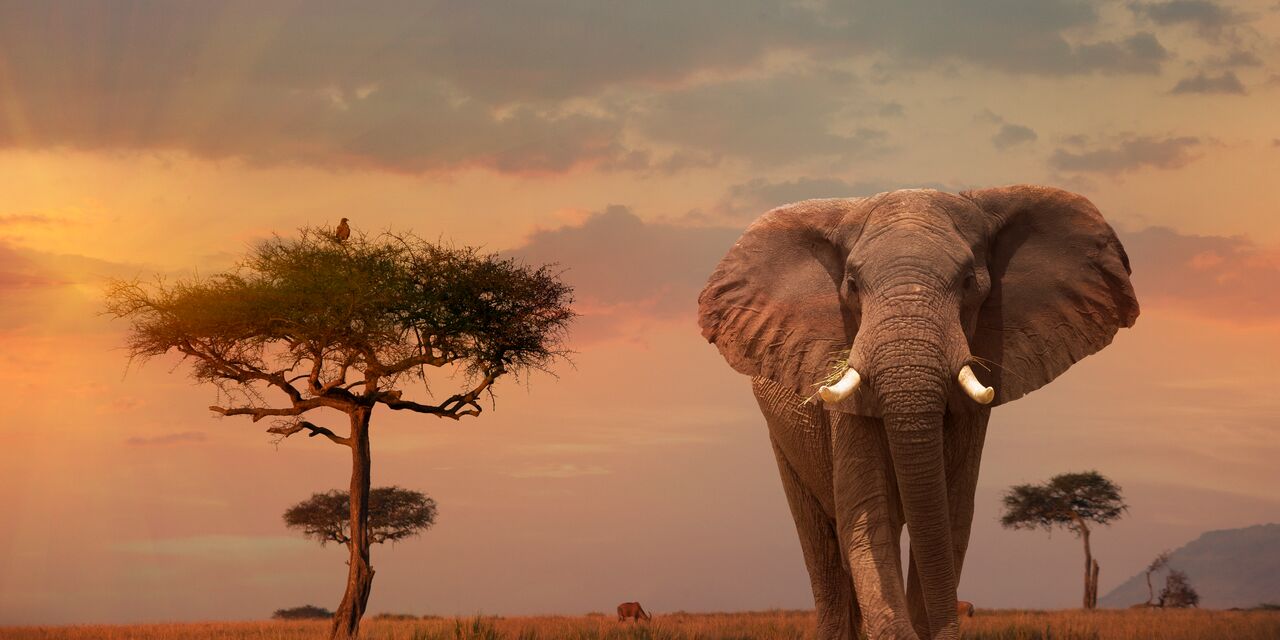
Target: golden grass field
{"points": [[790, 625]]}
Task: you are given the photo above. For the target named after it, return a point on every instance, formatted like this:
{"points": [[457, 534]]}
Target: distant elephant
{"points": [[632, 610], [885, 306], [964, 608]]}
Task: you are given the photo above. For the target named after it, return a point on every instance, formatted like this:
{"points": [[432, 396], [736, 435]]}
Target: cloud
{"points": [[166, 439], [891, 110], [1236, 58], [43, 290], [781, 118], [626, 271], [1229, 279], [1225, 82], [1004, 35], [1129, 154], [535, 87], [1207, 17], [335, 86], [34, 219], [1011, 135], [213, 546], [18, 271], [560, 471], [413, 127], [749, 199]]}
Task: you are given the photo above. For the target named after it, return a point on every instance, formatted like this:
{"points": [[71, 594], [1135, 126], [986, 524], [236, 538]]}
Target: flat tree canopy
{"points": [[1070, 500], [348, 322], [305, 612], [1066, 499], [394, 514]]}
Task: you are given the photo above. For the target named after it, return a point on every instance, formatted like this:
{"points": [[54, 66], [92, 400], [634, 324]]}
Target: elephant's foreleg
{"points": [[868, 525], [832, 589], [964, 435]]}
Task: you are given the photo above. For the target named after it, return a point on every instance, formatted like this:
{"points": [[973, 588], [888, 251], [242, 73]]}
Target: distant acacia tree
{"points": [[1069, 500], [347, 324], [1159, 562], [305, 612], [1178, 592], [394, 514]]}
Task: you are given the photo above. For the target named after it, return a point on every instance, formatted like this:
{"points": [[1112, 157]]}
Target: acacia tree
{"points": [[394, 514], [317, 322], [1159, 562], [1178, 592], [1069, 500]]}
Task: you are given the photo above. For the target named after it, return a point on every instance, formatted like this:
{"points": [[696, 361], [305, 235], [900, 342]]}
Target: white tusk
{"points": [[975, 390], [843, 389]]}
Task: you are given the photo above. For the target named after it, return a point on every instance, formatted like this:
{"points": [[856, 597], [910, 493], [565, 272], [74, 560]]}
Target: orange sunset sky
{"points": [[631, 142]]}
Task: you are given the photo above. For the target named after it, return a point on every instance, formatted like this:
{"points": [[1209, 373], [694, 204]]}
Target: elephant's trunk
{"points": [[911, 374], [915, 443]]}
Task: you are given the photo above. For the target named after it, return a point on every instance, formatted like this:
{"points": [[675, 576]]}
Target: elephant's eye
{"points": [[853, 284], [970, 282]]}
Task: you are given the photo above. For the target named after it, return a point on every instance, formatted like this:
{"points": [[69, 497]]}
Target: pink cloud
{"points": [[1222, 278]]}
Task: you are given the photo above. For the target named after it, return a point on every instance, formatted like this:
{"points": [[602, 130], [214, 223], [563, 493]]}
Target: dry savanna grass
{"points": [[788, 625]]}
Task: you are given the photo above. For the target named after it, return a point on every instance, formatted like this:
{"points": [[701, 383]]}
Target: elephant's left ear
{"points": [[1059, 286]]}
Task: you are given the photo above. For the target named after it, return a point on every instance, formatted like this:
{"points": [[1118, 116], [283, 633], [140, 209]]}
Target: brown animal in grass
{"points": [[631, 610], [964, 608]]}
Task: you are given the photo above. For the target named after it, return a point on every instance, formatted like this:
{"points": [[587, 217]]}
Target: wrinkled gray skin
{"points": [[907, 288]]}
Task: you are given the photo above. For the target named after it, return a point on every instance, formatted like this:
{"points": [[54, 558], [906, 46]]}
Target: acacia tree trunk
{"points": [[1093, 586], [1090, 571], [346, 621]]}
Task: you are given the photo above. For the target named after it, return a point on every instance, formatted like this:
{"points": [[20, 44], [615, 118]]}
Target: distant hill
{"points": [[1229, 568]]}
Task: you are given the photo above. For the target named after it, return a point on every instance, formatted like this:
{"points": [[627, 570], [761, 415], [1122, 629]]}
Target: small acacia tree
{"points": [[1159, 562], [394, 514], [316, 322], [305, 612], [1069, 500], [1178, 592]]}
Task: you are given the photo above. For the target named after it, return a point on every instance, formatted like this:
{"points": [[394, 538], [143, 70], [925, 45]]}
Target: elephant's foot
{"points": [[897, 628]]}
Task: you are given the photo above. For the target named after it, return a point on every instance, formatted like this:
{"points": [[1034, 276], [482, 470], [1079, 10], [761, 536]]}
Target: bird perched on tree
{"points": [[343, 232]]}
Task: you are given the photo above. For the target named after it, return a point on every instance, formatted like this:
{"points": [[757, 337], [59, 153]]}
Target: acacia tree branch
{"points": [[258, 413], [314, 429], [455, 406], [338, 380], [241, 374]]}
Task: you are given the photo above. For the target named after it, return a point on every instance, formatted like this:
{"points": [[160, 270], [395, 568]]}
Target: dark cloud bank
{"points": [[512, 87], [1128, 153]]}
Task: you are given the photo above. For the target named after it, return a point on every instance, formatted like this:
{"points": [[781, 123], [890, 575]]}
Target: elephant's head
{"points": [[909, 293]]}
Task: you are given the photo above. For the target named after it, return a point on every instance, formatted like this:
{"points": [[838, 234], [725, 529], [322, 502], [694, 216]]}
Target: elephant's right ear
{"points": [[772, 306]]}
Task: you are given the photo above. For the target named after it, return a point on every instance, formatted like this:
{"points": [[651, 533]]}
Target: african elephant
{"points": [[885, 306]]}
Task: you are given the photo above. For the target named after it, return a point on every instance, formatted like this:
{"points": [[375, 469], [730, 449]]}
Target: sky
{"points": [[631, 143]]}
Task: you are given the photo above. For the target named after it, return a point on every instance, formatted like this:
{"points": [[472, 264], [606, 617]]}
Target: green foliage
{"points": [[394, 514], [1063, 500], [305, 612], [363, 304]]}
